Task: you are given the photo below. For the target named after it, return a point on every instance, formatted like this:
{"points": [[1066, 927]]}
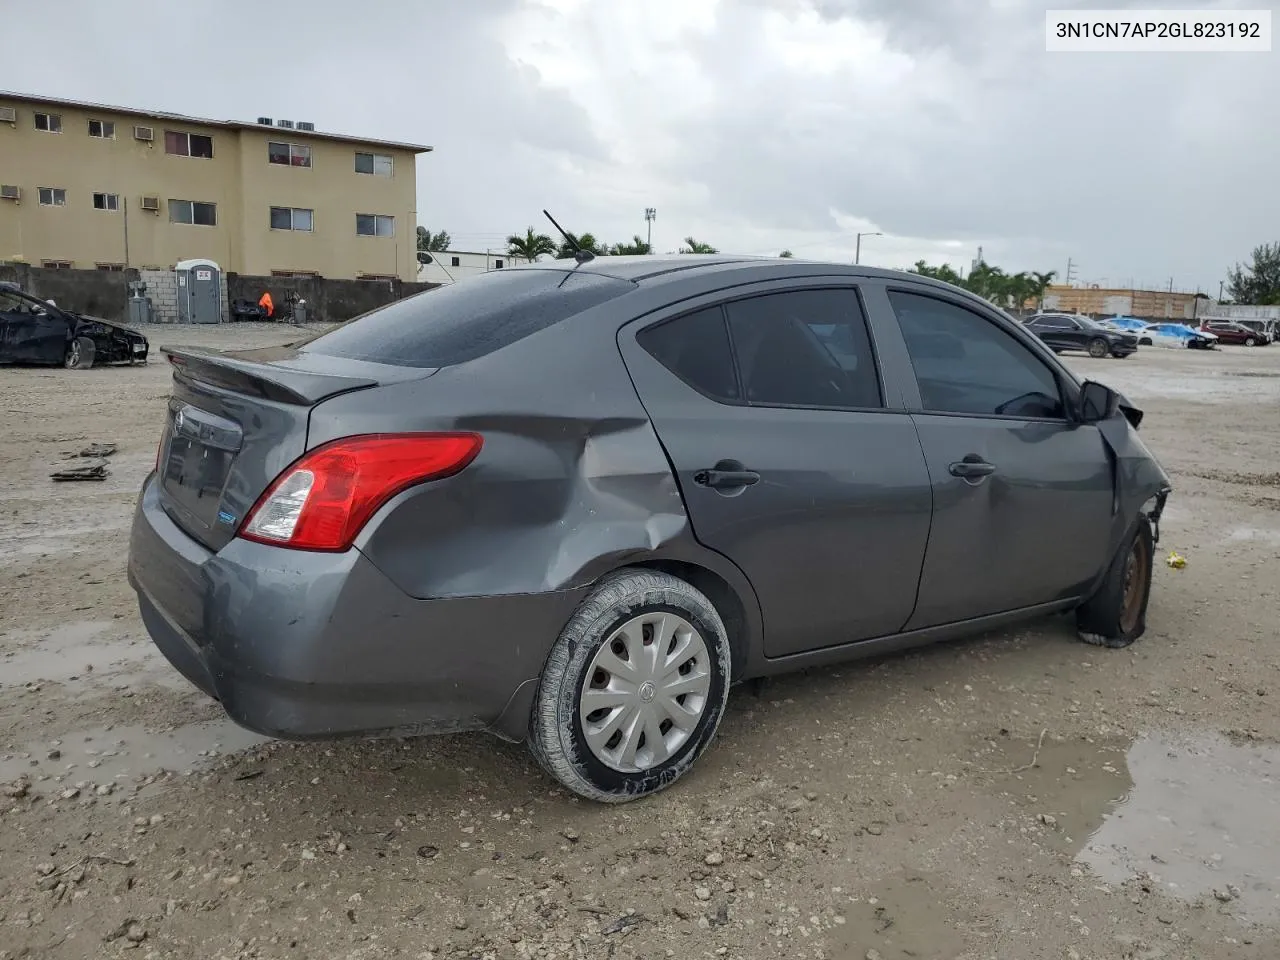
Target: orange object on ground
{"points": [[266, 303]]}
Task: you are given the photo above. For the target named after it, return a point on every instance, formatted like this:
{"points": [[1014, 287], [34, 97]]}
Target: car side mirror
{"points": [[1097, 402]]}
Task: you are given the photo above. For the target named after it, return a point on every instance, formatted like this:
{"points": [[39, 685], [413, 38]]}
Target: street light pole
{"points": [[857, 253], [650, 214]]}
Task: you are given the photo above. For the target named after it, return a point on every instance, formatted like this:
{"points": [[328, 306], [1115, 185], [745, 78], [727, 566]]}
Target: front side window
{"points": [[695, 347], [188, 144], [102, 129], [291, 218], [194, 212], [289, 154], [967, 364], [804, 348], [378, 164], [49, 122], [375, 225], [52, 196]]}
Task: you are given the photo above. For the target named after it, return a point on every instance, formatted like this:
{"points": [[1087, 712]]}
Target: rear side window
{"points": [[966, 364], [695, 348], [466, 320], [804, 348]]}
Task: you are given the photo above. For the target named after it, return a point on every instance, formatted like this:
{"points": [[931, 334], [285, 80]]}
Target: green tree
{"points": [[1042, 281], [786, 255], [636, 248], [585, 241], [943, 273], [429, 242], [697, 246], [1258, 281], [531, 246]]}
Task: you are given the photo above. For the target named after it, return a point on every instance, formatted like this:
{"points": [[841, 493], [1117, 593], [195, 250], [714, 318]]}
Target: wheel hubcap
{"points": [[645, 691]]}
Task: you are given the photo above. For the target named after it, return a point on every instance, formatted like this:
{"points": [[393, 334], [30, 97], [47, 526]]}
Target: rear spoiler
{"points": [[269, 381]]}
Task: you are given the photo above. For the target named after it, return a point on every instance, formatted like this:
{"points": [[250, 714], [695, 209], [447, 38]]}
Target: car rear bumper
{"points": [[303, 645]]}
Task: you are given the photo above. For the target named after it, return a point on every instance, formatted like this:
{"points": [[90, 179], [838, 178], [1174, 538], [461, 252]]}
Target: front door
{"points": [[789, 462], [1023, 495]]}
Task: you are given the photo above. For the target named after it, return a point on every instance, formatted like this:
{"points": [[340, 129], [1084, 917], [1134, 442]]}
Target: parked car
{"points": [[1179, 335], [573, 503], [38, 331], [1061, 331], [1236, 333], [1269, 327], [1131, 325]]}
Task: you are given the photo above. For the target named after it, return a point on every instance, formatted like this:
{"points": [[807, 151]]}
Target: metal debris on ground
{"points": [[99, 450], [91, 471]]}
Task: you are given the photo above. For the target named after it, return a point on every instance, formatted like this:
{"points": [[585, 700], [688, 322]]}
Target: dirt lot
{"points": [[1019, 796]]}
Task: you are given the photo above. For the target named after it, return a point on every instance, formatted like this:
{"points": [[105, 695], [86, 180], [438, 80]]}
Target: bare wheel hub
{"points": [[645, 691]]}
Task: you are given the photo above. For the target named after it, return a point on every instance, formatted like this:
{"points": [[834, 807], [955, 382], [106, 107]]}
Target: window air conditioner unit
{"points": [[285, 124], [151, 203], [264, 121], [306, 125], [144, 133], [8, 114], [10, 192]]}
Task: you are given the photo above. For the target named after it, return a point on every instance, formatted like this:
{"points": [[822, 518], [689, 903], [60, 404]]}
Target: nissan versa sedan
{"points": [[573, 503]]}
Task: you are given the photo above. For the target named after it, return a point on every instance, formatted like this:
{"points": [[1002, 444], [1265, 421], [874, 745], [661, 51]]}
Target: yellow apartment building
{"points": [[89, 186]]}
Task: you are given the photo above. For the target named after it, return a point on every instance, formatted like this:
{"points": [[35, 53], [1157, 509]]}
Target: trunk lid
{"points": [[235, 420]]}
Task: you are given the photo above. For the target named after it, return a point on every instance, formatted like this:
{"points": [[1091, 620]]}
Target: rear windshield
{"points": [[466, 320]]}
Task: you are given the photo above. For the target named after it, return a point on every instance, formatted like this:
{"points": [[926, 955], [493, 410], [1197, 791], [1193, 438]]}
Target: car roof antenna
{"points": [[582, 256]]}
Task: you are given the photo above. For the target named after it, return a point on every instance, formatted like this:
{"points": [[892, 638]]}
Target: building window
{"points": [[53, 197], [57, 264], [290, 218], [375, 225], [288, 154], [300, 274], [49, 122], [456, 262], [193, 211], [378, 164], [497, 264], [110, 267], [188, 144], [102, 129], [106, 201]]}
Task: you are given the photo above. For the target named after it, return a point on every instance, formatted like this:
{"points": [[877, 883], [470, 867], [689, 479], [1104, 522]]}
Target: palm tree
{"points": [[636, 248], [1041, 283], [585, 241], [696, 246], [531, 246], [429, 242]]}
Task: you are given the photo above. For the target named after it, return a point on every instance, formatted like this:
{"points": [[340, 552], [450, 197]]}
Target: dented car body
{"points": [[840, 460], [36, 331]]}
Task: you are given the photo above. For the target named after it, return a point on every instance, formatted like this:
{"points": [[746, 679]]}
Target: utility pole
{"points": [[857, 250], [1220, 283], [1171, 284], [650, 214], [1070, 269]]}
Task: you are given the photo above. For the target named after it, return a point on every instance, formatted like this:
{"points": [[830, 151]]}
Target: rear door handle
{"points": [[972, 467], [726, 479]]}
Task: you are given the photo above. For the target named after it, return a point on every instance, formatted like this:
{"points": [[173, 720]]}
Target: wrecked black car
{"points": [[37, 331]]}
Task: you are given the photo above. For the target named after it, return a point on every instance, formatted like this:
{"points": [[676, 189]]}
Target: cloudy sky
{"points": [[755, 125]]}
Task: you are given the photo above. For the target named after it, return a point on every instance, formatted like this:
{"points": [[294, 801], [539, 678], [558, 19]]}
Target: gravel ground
{"points": [[1019, 795]]}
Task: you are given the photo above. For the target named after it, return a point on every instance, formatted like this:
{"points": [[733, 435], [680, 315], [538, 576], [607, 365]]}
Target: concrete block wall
{"points": [[162, 288]]}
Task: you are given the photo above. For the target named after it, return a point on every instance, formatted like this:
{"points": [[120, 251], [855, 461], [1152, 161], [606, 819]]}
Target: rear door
{"points": [[790, 461], [1057, 332], [1022, 494]]}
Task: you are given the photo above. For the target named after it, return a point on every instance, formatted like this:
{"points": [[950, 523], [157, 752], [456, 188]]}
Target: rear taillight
{"points": [[325, 498]]}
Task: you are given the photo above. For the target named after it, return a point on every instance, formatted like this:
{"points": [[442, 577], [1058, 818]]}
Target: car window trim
{"points": [[723, 305], [1029, 340]]}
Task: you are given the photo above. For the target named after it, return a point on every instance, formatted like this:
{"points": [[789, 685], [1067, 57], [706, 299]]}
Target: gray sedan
{"points": [[574, 503]]}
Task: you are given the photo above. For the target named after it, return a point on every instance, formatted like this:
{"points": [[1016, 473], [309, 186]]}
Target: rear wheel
{"points": [[1250, 342], [634, 688], [80, 353], [1098, 348], [1116, 615]]}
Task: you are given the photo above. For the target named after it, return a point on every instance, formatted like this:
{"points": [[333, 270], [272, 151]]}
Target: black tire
{"points": [[556, 736], [1098, 348], [1144, 342], [80, 353], [1116, 615], [1250, 342]]}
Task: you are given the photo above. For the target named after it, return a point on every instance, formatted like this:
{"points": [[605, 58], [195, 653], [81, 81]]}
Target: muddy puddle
{"points": [[74, 651], [1199, 816], [103, 755]]}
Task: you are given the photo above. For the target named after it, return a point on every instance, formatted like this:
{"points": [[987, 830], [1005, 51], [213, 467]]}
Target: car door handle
{"points": [[726, 479], [972, 467]]}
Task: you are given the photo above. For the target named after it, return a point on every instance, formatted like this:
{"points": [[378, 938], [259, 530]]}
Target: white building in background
{"points": [[450, 265]]}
